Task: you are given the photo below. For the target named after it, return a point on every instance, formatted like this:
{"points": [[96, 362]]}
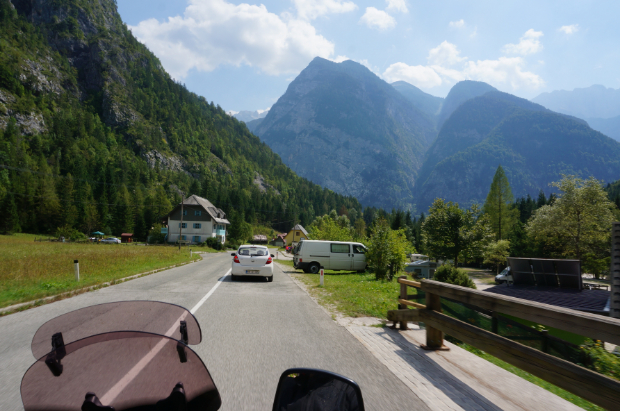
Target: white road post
{"points": [[77, 270], [322, 276], [191, 253]]}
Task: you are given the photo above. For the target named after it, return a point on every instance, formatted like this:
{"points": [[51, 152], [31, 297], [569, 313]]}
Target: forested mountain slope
{"points": [[341, 126], [428, 104], [94, 134], [460, 93], [534, 146]]}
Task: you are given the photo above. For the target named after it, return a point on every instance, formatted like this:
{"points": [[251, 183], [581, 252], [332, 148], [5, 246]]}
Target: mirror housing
{"points": [[233, 254], [273, 256], [305, 388]]}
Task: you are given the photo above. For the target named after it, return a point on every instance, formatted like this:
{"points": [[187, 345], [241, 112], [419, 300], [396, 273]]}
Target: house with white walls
{"points": [[201, 220]]}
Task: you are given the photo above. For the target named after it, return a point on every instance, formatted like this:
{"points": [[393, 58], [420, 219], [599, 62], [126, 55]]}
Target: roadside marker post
{"points": [[322, 276], [191, 253], [77, 270]]}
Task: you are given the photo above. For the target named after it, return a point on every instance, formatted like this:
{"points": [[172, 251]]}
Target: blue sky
{"points": [[242, 55]]}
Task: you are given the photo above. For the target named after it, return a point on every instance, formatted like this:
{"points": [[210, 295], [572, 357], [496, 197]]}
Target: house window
{"points": [[198, 212], [183, 225], [184, 212], [197, 225], [183, 237], [196, 239]]}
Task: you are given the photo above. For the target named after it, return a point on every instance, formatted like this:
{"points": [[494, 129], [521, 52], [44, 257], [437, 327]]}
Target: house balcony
{"points": [[220, 232]]}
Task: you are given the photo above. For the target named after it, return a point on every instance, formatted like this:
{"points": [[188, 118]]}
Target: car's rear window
{"points": [[252, 251]]}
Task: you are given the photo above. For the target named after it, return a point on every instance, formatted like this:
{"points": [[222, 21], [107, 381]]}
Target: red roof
{"points": [[127, 235]]}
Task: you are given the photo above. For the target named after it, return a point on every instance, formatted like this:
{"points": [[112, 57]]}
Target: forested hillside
{"points": [[94, 134]]}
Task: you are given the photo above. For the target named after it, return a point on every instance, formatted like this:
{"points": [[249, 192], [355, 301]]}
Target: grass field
{"points": [[360, 295], [32, 270]]}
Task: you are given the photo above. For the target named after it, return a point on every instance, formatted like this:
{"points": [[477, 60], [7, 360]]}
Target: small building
{"points": [[421, 269], [201, 220], [259, 239], [127, 238], [280, 240], [296, 234]]}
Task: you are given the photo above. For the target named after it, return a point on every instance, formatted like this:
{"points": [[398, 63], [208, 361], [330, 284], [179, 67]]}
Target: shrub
{"points": [[70, 233], [214, 243], [449, 274], [155, 235], [598, 359]]}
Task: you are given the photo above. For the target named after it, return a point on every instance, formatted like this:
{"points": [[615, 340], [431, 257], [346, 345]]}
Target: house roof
{"points": [[593, 301], [301, 228], [218, 215], [259, 237], [127, 235]]}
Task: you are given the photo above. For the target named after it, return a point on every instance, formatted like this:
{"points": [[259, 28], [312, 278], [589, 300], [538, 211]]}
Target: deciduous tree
{"points": [[578, 219]]}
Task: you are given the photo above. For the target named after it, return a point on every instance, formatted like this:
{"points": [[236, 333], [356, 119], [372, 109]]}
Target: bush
{"points": [[215, 243], [598, 359], [70, 233], [449, 274], [155, 235]]}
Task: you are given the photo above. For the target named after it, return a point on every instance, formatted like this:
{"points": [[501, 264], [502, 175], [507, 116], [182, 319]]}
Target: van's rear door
{"points": [[340, 256]]}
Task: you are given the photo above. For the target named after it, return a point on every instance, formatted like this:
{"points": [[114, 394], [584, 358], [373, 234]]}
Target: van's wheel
{"points": [[233, 277], [270, 278], [314, 268]]}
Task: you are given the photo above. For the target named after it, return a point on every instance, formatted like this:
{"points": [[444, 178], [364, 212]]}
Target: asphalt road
{"points": [[252, 331]]}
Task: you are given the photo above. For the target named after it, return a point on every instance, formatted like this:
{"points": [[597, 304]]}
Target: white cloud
{"points": [[340, 59], [445, 54], [505, 71], [379, 19], [398, 5], [311, 9], [217, 33], [572, 29], [419, 76], [457, 24], [528, 44]]}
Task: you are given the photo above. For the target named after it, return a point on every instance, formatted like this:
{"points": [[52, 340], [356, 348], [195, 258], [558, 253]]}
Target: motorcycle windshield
{"points": [[127, 370], [148, 316]]}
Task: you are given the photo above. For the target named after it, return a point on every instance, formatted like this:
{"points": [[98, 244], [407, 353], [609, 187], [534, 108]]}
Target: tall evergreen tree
{"points": [[499, 205]]}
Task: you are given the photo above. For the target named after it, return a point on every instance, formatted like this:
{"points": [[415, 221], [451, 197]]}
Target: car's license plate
{"points": [[251, 271]]}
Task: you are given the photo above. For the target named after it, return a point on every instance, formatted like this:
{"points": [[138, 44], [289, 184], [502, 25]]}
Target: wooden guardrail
{"points": [[590, 385]]}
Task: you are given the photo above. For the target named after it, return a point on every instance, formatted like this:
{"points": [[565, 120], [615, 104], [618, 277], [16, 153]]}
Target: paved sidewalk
{"points": [[450, 380]]}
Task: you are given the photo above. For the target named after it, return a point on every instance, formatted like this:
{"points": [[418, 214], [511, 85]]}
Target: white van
{"points": [[311, 255]]}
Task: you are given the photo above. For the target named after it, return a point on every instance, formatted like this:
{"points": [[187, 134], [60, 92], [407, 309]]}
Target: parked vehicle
{"points": [[135, 356], [311, 255], [504, 276], [111, 240], [252, 260]]}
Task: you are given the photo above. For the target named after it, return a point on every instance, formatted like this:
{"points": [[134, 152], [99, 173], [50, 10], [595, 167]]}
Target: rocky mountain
{"points": [[459, 93], [608, 126], [342, 127], [533, 145], [247, 116], [428, 104], [253, 124], [590, 102], [95, 134]]}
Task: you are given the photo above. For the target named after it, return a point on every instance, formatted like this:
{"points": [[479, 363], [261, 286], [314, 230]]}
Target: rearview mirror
{"points": [[309, 389], [273, 256], [233, 254]]}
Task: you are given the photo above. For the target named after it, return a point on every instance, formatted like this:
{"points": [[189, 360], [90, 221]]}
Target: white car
{"points": [[252, 260], [111, 240]]}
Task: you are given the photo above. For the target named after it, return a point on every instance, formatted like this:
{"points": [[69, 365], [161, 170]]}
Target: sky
{"points": [[243, 55]]}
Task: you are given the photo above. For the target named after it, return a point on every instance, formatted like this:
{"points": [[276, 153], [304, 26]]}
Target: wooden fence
{"points": [[590, 385]]}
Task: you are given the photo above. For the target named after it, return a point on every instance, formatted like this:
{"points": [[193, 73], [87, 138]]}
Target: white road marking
{"points": [[201, 302], [136, 369]]}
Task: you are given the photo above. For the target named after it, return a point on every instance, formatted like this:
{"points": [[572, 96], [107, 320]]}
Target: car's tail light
{"points": [[301, 260], [236, 259], [269, 261]]}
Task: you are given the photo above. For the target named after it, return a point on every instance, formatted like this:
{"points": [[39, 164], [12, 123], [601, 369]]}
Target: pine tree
{"points": [[499, 205]]}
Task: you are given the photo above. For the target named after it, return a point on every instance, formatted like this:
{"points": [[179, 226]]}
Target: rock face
{"points": [[591, 102], [342, 127]]}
